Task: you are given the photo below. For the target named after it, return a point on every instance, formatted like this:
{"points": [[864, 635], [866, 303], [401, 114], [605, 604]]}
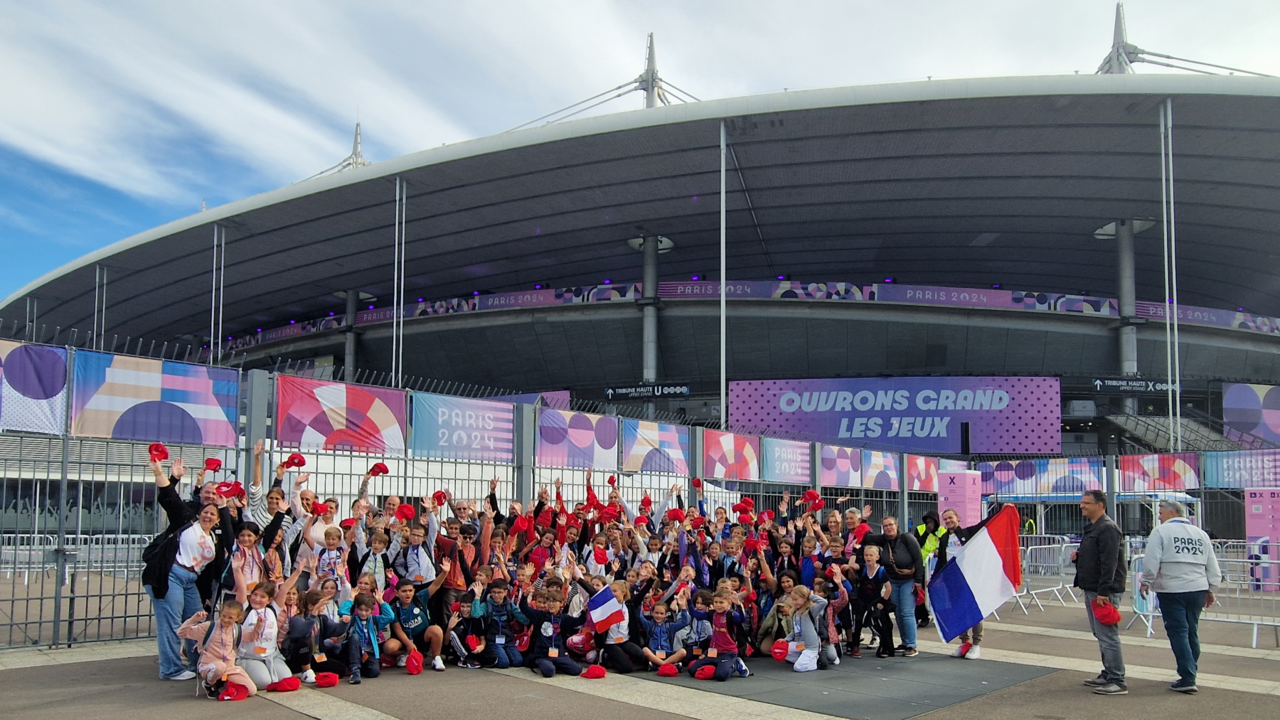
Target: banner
{"points": [[130, 398], [879, 470], [729, 456], [1159, 473], [841, 467], [453, 428], [961, 491], [1262, 532], [1043, 476], [33, 388], [652, 447], [922, 473], [1005, 415], [320, 415], [1254, 409], [1241, 469], [553, 399], [577, 439], [785, 461]]}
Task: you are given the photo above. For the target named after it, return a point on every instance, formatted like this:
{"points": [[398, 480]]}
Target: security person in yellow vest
{"points": [[929, 534]]}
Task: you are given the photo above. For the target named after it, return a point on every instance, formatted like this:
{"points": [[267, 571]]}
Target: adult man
{"points": [[1100, 571], [953, 537], [902, 561], [1180, 566]]}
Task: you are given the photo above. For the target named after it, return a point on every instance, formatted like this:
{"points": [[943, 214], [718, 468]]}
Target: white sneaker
{"points": [[975, 653], [308, 677], [184, 675], [437, 664], [837, 660], [963, 650], [402, 660]]}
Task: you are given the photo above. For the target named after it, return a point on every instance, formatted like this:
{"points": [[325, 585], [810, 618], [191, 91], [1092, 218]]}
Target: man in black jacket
{"points": [[1100, 571]]}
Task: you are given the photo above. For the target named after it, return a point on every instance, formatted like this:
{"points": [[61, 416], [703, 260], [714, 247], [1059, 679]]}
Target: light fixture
{"points": [[695, 277], [293, 322], [888, 280], [607, 281], [782, 277], [419, 299], [537, 287], [995, 286], [260, 329], [475, 292], [370, 307], [332, 313]]}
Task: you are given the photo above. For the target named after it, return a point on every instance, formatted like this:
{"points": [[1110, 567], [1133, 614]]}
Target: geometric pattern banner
{"points": [[571, 439], [651, 447], [1158, 473], [1253, 409], [879, 470], [841, 467], [33, 394], [454, 428], [922, 473], [129, 398], [1045, 476], [319, 415], [730, 456]]}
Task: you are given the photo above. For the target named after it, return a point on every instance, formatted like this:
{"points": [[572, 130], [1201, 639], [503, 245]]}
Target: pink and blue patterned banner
{"points": [[322, 415], [841, 467], [454, 428], [923, 414], [879, 470], [1241, 469], [730, 456], [1253, 409], [33, 391], [922, 473], [571, 439], [1159, 473], [1043, 476], [652, 447], [785, 461], [130, 398]]}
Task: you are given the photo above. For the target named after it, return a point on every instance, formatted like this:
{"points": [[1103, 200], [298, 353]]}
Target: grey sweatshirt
{"points": [[805, 627], [1179, 558]]}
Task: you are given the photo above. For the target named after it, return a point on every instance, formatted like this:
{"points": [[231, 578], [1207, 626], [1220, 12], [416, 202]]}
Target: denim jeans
{"points": [[1108, 641], [180, 602], [508, 655], [1181, 613], [904, 597]]}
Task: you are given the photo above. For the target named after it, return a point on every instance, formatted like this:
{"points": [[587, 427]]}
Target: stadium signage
{"points": [[922, 414], [1131, 385], [642, 392]]}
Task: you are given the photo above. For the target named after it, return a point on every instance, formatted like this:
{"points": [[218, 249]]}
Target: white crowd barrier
{"points": [[1250, 595]]}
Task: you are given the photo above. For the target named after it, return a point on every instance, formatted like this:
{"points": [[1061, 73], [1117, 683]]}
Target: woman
{"points": [[181, 561]]}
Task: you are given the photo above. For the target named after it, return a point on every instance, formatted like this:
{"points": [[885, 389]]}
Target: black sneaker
{"points": [[1097, 682], [1112, 689], [910, 652], [1184, 687], [210, 691], [355, 678], [923, 622]]}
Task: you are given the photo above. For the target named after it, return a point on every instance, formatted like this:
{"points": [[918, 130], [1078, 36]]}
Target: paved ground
{"points": [[1033, 671]]}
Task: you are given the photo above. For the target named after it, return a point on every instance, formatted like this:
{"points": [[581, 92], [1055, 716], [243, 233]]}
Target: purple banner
{"points": [[785, 461], [453, 428], [841, 467], [1211, 317], [997, 299], [1005, 415], [1253, 409]]}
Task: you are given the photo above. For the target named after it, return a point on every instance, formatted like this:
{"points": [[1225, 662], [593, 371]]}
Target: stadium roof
{"points": [[954, 182]]}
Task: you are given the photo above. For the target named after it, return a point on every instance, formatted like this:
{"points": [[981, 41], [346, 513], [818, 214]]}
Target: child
{"points": [[498, 611], [467, 635], [803, 644], [836, 593], [331, 560], [259, 652], [550, 628], [247, 550], [722, 650], [661, 648], [414, 559], [217, 643], [312, 638], [873, 602], [699, 635], [373, 559], [362, 651], [411, 625], [620, 653]]}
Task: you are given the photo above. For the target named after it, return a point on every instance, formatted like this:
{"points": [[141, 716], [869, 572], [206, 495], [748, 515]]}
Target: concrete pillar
{"points": [[1128, 331], [526, 429], [904, 506], [649, 308], [349, 349], [259, 387]]}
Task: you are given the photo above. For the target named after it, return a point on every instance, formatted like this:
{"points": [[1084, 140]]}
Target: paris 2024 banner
{"points": [[920, 414]]}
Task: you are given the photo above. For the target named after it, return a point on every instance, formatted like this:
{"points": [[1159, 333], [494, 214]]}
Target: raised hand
{"points": [[446, 565], [177, 469], [257, 448], [493, 485], [302, 479]]}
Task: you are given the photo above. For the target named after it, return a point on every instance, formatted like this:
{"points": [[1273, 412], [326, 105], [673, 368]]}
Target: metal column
{"points": [[526, 428], [649, 308], [1128, 332], [349, 349]]}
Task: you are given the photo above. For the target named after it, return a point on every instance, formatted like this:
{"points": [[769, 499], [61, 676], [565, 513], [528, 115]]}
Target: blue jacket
{"points": [[661, 637]]}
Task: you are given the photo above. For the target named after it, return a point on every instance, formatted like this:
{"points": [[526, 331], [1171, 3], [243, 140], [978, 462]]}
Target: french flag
{"points": [[604, 610], [979, 577]]}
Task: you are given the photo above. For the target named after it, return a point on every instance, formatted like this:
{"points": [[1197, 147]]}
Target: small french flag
{"points": [[979, 577], [605, 610]]}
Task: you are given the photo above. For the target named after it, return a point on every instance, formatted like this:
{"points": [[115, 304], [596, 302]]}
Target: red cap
{"points": [[766, 515], [675, 515], [642, 520], [349, 522], [473, 642], [749, 502], [319, 508], [233, 692], [809, 496], [779, 650], [405, 512], [288, 684], [158, 452], [696, 521], [744, 518], [378, 469], [831, 571], [441, 497], [229, 489], [697, 482], [739, 507], [817, 506], [1106, 614], [613, 480], [668, 671], [413, 665], [751, 545], [609, 514], [295, 461], [646, 501], [456, 607], [212, 464], [706, 672], [595, 672], [326, 679]]}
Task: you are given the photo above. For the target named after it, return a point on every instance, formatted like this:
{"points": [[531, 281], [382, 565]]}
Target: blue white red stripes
{"points": [[605, 610], [980, 576]]}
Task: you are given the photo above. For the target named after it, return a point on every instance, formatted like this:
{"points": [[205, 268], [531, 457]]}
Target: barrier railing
{"points": [[1250, 595]]}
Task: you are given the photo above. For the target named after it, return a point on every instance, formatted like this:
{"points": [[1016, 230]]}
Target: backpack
{"points": [[209, 633]]}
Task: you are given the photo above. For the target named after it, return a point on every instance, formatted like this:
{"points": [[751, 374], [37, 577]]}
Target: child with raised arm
{"points": [[661, 630], [411, 627], [722, 651], [498, 611], [217, 642], [804, 644], [550, 628]]}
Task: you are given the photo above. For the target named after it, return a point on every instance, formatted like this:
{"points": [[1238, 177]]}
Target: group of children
{"points": [[312, 599]]}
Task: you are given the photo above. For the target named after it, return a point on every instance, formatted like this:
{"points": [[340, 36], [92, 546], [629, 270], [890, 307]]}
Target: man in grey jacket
{"points": [[1100, 573], [1180, 566]]}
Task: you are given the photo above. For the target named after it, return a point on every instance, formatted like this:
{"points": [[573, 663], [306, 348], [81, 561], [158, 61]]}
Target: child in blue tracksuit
{"points": [[550, 628], [499, 611], [363, 654], [661, 648]]}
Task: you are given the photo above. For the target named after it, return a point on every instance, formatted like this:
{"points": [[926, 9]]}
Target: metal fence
{"points": [[1250, 595]]}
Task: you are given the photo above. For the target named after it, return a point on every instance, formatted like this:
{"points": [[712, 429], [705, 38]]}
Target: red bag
{"points": [[413, 665]]}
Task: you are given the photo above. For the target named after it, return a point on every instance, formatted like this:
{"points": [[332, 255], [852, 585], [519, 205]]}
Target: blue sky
{"points": [[118, 117]]}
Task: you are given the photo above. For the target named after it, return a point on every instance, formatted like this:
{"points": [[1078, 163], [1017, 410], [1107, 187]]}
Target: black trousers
{"points": [[626, 657]]}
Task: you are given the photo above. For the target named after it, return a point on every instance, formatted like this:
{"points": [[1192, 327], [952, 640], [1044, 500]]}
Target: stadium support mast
{"points": [[649, 80], [1124, 54], [354, 160]]}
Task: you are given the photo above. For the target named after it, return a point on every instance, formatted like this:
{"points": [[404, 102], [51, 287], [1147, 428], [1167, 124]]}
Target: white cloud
{"points": [[167, 100]]}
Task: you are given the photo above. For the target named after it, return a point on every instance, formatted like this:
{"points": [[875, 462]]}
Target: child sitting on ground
{"points": [[550, 628], [804, 644], [217, 643], [722, 652], [411, 625], [661, 648]]}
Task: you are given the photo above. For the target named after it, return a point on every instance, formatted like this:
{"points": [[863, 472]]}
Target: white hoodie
{"points": [[1179, 558]]}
